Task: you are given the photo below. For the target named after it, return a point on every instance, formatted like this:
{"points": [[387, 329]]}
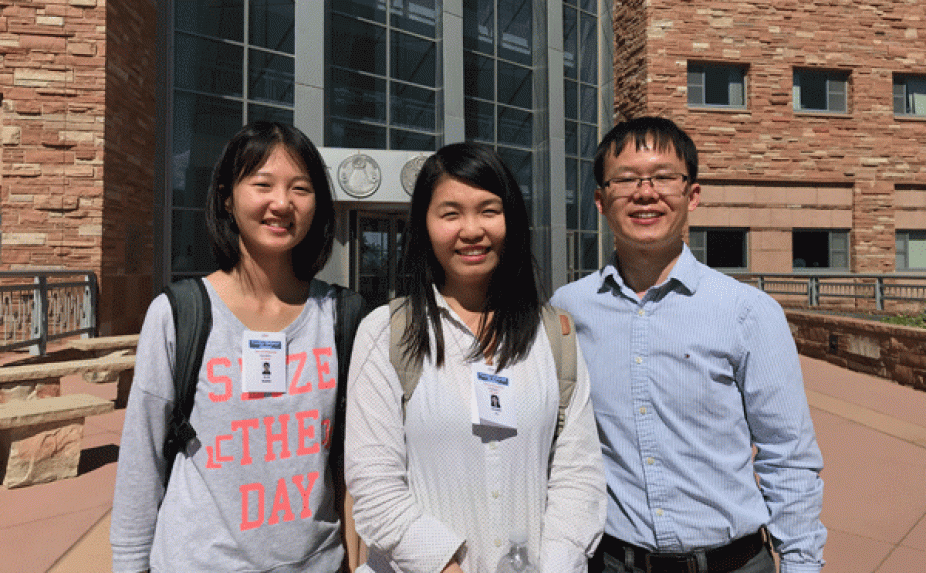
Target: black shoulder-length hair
{"points": [[513, 295], [243, 155]]}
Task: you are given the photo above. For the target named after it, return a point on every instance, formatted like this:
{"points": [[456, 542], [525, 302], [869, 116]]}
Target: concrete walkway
{"points": [[872, 433]]}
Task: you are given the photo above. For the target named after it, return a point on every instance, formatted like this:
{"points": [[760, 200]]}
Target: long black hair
{"points": [[243, 155], [513, 295]]}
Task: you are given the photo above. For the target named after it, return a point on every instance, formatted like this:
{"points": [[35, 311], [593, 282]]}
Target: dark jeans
{"points": [[604, 563]]}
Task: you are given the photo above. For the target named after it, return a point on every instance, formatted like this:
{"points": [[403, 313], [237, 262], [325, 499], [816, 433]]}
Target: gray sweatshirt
{"points": [[253, 491]]}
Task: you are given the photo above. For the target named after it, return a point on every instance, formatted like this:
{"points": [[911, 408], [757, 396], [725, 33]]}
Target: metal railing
{"points": [[37, 307], [887, 291]]}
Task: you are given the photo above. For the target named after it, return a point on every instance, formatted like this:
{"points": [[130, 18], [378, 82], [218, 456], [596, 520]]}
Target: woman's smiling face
{"points": [[466, 226], [273, 207]]}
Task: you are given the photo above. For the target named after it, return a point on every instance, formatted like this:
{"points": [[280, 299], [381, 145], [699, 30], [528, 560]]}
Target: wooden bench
{"points": [[40, 438]]}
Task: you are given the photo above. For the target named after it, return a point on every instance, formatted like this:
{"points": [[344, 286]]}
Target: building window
{"points": [[383, 75], [910, 95], [719, 85], [580, 106], [820, 249], [911, 250], [225, 74], [816, 90], [719, 248]]}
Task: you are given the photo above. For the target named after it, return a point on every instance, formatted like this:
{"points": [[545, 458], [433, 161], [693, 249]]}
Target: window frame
{"points": [[741, 71], [903, 81], [698, 244], [833, 80], [904, 236], [833, 250]]}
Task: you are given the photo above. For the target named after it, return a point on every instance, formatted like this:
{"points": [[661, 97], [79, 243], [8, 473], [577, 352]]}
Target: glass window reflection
{"points": [[479, 26], [272, 24], [414, 59], [357, 96], [480, 121], [270, 77], [514, 85], [216, 18], [413, 106], [358, 45], [515, 126], [589, 50], [515, 24], [570, 42], [416, 16], [202, 125], [257, 112], [374, 10], [346, 133], [479, 76], [209, 66]]}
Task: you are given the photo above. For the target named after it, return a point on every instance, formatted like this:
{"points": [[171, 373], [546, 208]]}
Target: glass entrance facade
{"points": [[531, 78]]}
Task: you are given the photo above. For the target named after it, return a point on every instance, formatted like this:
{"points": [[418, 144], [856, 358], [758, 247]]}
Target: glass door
{"points": [[376, 251]]}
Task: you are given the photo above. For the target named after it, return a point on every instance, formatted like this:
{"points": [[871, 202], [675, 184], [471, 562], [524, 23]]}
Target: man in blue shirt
{"points": [[709, 449]]}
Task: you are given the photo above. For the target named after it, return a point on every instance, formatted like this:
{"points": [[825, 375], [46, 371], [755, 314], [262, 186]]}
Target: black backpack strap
{"points": [[349, 309], [192, 312]]}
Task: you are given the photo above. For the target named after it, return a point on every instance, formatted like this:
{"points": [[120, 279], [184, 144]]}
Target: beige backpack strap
{"points": [[408, 369], [562, 334]]}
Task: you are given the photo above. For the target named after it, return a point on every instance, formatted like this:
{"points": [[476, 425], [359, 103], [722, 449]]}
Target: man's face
{"points": [[641, 216]]}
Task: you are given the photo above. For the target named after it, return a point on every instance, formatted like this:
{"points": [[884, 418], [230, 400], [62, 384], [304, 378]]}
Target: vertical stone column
{"points": [[872, 240]]}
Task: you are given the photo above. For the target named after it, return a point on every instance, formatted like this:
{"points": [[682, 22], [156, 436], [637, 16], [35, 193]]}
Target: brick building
{"points": [[115, 111], [810, 118], [78, 145], [811, 122]]}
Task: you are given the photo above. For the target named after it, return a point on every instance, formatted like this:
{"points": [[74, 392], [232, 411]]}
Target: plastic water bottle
{"points": [[516, 560]]}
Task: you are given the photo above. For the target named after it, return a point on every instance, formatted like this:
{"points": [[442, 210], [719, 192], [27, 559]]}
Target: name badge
{"points": [[263, 362], [493, 402]]}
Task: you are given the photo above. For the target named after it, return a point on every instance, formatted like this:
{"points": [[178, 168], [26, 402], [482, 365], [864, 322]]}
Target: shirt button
{"points": [[643, 409], [638, 360], [498, 542], [641, 312], [659, 512], [650, 461], [495, 494], [493, 445]]}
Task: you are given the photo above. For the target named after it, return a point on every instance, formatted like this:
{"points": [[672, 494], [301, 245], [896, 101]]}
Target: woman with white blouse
{"points": [[440, 482]]}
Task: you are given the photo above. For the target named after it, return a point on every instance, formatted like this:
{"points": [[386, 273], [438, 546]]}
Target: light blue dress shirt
{"points": [[684, 382]]}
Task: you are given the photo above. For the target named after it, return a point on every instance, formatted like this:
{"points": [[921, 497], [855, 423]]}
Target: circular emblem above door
{"points": [[410, 172], [359, 175]]}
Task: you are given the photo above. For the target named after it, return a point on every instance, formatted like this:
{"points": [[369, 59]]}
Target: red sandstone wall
{"points": [[890, 351], [52, 133], [127, 249], [77, 84], [867, 149], [630, 65]]}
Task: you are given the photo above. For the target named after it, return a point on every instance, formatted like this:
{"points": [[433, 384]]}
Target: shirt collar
{"points": [[685, 274], [444, 308]]}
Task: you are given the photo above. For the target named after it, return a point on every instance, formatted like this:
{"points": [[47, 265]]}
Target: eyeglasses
{"points": [[665, 184]]}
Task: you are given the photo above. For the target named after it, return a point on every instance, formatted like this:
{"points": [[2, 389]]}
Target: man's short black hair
{"points": [[660, 132]]}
